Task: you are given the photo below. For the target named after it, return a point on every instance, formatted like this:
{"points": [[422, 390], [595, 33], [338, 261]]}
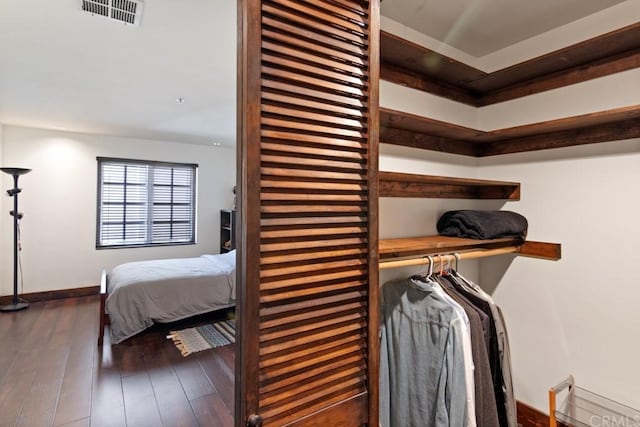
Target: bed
{"points": [[135, 295]]}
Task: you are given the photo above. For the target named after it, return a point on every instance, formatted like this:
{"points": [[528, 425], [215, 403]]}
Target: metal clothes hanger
{"points": [[442, 260], [426, 276], [457, 256], [430, 272]]}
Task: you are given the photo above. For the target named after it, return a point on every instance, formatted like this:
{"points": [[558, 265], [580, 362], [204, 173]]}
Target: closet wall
{"points": [[579, 315], [59, 203], [575, 315], [605, 93]]}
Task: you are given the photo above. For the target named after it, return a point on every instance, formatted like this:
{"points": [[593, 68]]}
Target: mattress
{"points": [[144, 292]]}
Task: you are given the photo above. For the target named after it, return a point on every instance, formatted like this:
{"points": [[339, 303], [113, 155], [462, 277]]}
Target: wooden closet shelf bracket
{"points": [[542, 250]]}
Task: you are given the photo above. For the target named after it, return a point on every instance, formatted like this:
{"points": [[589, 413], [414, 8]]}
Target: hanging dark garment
{"points": [[499, 352], [485, 401]]}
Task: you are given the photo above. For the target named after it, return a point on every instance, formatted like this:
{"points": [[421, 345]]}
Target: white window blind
{"points": [[143, 203]]}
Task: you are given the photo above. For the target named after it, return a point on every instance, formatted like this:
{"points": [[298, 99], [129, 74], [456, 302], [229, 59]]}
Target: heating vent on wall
{"points": [[126, 11]]}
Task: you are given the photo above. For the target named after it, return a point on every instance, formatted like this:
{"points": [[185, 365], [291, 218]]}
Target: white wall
{"points": [[578, 315], [401, 98], [621, 89], [59, 203], [605, 93]]}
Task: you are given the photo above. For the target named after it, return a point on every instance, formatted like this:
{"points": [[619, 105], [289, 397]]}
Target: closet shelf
{"points": [[433, 245], [409, 64], [394, 184], [401, 128]]}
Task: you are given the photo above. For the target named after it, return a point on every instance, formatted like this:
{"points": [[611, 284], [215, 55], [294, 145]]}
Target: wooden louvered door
{"points": [[307, 243]]}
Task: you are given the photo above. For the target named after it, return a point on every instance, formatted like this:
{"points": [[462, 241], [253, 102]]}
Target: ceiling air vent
{"points": [[126, 11]]}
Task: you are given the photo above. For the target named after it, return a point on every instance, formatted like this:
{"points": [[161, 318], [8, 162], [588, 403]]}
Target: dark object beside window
{"points": [[145, 203]]}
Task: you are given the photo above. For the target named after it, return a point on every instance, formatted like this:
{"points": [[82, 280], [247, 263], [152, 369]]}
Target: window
{"points": [[143, 203]]}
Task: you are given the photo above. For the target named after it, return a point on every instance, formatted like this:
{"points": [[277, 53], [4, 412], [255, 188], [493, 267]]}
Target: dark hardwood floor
{"points": [[52, 373]]}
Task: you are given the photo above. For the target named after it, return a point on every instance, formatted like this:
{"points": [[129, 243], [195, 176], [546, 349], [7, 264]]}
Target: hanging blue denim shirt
{"points": [[422, 381]]}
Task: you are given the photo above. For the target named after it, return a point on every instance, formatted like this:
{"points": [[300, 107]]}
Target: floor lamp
{"points": [[15, 172]]}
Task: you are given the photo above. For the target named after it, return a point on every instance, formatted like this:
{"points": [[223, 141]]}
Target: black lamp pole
{"points": [[16, 172]]}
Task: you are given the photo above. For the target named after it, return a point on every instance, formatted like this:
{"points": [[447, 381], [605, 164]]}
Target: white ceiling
{"points": [[61, 68], [480, 27]]}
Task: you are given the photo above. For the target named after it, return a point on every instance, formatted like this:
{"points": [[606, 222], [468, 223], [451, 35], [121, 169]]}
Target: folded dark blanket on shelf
{"points": [[482, 224]]}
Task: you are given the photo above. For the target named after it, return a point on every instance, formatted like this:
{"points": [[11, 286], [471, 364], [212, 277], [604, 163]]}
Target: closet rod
{"points": [[448, 257]]}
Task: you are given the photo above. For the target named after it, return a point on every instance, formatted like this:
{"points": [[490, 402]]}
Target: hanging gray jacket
{"points": [[422, 381]]}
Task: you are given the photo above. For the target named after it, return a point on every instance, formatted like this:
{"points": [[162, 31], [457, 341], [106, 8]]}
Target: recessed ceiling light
{"points": [[180, 100], [216, 144]]}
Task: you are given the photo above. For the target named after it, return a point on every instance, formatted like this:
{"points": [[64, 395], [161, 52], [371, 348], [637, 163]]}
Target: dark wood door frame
{"points": [[308, 130]]}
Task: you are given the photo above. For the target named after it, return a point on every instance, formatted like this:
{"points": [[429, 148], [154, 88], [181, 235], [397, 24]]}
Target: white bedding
{"points": [[141, 293]]}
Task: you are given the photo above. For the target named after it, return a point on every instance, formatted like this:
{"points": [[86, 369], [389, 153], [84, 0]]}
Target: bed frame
{"points": [[104, 317]]}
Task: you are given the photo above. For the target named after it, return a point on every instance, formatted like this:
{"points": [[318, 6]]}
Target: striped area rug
{"points": [[192, 340]]}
